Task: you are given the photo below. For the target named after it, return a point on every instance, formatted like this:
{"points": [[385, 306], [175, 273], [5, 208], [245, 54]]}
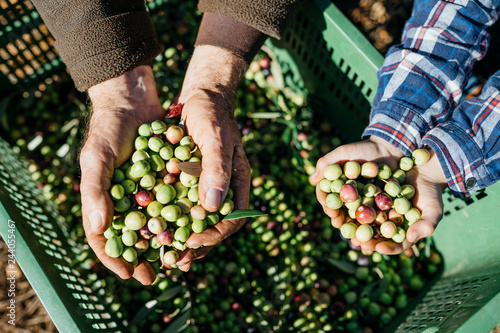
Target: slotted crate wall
{"points": [[44, 253], [26, 47], [323, 57], [27, 55], [467, 297]]}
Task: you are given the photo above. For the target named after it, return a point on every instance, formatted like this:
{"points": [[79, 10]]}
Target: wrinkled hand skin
{"points": [[429, 182], [208, 94], [122, 104], [119, 106]]}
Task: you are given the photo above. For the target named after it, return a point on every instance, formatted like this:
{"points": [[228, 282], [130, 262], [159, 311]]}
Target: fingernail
{"points": [[96, 220], [314, 175], [213, 198], [415, 235]]}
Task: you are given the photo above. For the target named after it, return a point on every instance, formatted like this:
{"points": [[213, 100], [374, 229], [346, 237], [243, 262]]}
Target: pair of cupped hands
{"points": [[120, 105]]}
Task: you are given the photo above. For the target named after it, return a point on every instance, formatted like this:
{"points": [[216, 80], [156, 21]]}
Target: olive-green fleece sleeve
{"points": [[268, 16], [99, 39]]}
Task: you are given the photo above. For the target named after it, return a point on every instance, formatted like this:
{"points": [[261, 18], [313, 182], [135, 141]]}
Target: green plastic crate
{"points": [[26, 52], [27, 55], [45, 253], [323, 57], [326, 59]]}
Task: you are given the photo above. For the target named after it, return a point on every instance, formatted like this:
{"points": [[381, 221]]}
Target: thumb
{"points": [[211, 130], [429, 201], [216, 174], [97, 206]]}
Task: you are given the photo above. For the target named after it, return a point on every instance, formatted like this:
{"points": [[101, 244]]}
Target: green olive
{"points": [[122, 205], [157, 163], [141, 143], [364, 233], [166, 153], [139, 155], [154, 208], [155, 144], [420, 156], [158, 127], [129, 186], [171, 213], [117, 192], [325, 185], [183, 153], [118, 176], [181, 234], [129, 254], [199, 226], [348, 230], [170, 257], [333, 201], [165, 194], [114, 247], [406, 163], [332, 172], [187, 179], [227, 207], [129, 238], [145, 130], [135, 220]]}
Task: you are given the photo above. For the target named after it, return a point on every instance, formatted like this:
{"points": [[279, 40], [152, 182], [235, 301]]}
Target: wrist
{"points": [[213, 69], [128, 91], [390, 149]]}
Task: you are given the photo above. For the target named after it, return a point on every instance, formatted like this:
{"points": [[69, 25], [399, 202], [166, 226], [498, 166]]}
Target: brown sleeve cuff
{"points": [[268, 16], [108, 47], [239, 38]]}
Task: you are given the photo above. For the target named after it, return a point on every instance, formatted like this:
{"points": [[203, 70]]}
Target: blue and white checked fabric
{"points": [[420, 86]]}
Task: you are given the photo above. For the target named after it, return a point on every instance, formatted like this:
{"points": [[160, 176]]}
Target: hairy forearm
{"points": [[214, 69], [129, 90]]}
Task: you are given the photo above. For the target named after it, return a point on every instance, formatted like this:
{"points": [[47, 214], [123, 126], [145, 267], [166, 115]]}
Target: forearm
{"points": [[99, 40], [213, 69], [468, 145], [422, 78]]}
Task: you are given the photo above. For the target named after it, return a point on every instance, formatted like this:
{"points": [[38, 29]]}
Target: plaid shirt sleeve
{"points": [[420, 85]]}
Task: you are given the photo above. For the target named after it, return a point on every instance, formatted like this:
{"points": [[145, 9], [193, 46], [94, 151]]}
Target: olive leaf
{"points": [[144, 311], [265, 115], [169, 293], [243, 213], [180, 324], [344, 266], [149, 307], [374, 289], [191, 168], [162, 253], [287, 135]]}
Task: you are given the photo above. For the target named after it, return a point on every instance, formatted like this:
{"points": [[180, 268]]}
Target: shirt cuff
{"points": [[460, 157], [113, 52], [237, 37], [397, 124]]}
